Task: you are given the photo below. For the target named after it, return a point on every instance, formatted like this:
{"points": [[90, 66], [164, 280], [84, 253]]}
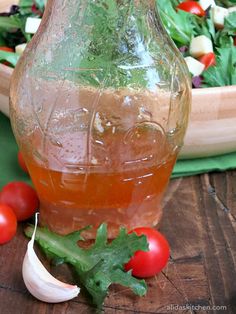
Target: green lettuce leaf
{"points": [[230, 24], [224, 73], [177, 23], [224, 37], [226, 3]]}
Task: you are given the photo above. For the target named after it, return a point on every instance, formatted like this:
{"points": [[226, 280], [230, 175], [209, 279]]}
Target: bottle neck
{"points": [[119, 38], [65, 3], [63, 7], [66, 18]]}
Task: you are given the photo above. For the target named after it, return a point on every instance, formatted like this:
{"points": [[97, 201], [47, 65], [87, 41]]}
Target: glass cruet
{"points": [[99, 108]]}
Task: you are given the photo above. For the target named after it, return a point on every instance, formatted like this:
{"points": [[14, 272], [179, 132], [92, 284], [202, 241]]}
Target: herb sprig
{"points": [[101, 264]]}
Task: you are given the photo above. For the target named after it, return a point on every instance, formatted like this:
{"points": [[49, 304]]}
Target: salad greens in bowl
{"points": [[205, 33]]}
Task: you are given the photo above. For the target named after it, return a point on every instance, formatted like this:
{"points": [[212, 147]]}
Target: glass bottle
{"points": [[99, 107]]}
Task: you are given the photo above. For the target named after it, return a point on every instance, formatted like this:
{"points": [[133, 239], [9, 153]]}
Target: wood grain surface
{"points": [[199, 222]]}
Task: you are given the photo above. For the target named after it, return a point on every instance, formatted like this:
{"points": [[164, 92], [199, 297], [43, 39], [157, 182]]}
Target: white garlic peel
{"points": [[40, 283]]}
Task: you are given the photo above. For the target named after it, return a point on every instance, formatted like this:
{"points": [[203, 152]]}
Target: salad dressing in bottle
{"points": [[99, 107]]}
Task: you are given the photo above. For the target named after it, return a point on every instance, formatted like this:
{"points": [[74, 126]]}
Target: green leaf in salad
{"points": [[177, 23], [223, 40], [9, 22], [224, 37], [14, 22], [25, 6], [40, 4], [210, 26], [226, 3], [230, 23], [2, 40], [12, 39], [98, 266], [224, 73], [203, 26]]}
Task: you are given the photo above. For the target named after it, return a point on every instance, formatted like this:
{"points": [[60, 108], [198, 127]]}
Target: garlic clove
{"points": [[40, 283]]}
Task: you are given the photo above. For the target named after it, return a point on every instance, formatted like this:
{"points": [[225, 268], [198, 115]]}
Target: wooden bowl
{"points": [[6, 4], [5, 76], [212, 126]]}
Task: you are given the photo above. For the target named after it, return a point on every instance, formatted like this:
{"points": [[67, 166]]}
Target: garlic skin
{"points": [[40, 283]]}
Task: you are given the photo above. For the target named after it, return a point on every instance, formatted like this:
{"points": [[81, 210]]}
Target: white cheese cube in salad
{"points": [[218, 15], [206, 4], [32, 25], [20, 48], [195, 67], [200, 45]]}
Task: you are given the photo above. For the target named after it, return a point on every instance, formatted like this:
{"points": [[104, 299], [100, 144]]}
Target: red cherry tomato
{"points": [[208, 60], [35, 10], [148, 264], [8, 223], [22, 162], [191, 7], [21, 197], [6, 49]]}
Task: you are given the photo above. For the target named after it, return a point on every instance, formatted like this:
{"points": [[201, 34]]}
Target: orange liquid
{"points": [[95, 194], [112, 169]]}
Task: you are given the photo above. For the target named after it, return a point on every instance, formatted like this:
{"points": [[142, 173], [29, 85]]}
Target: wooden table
{"points": [[199, 222]]}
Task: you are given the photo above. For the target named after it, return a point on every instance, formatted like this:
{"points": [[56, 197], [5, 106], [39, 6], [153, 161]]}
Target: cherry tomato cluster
{"points": [[18, 202]]}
